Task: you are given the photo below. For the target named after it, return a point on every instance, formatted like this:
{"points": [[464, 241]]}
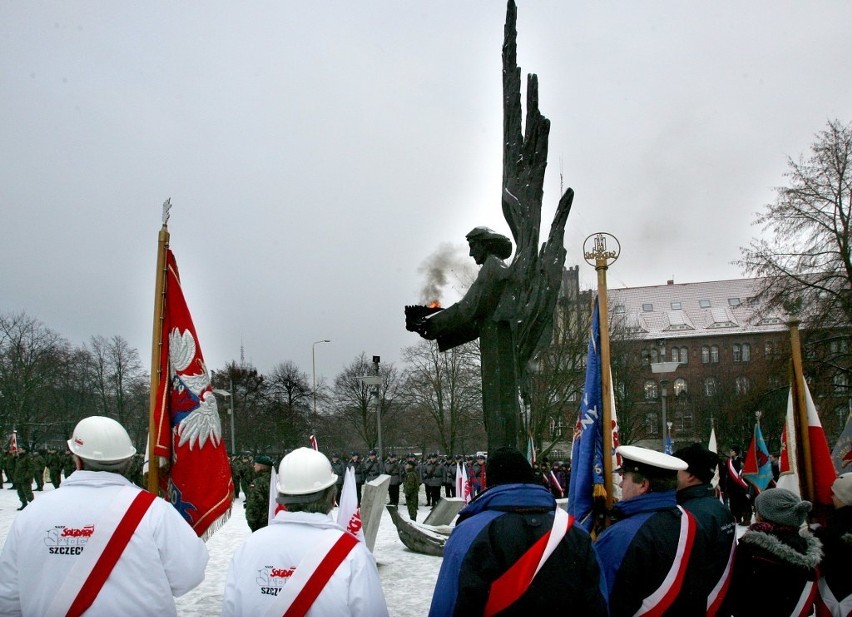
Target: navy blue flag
{"points": [[587, 481]]}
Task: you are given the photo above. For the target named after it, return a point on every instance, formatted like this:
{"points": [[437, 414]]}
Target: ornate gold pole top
{"points": [[595, 248]]}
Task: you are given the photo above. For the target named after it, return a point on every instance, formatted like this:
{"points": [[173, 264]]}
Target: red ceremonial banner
{"points": [[187, 428]]}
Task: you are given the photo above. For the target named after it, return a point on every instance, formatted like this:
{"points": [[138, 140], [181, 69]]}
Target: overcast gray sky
{"points": [[317, 153]]}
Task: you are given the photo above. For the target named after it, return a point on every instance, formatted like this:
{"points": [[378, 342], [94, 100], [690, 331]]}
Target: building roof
{"points": [[686, 310]]}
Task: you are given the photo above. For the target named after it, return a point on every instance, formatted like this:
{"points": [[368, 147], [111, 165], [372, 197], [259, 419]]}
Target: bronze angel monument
{"points": [[510, 306]]}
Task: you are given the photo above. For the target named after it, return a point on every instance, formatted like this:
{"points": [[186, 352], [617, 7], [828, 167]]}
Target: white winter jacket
{"points": [[266, 560], [164, 557]]}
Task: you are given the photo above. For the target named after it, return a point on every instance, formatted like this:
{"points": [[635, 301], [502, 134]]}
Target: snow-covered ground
{"points": [[408, 578]]}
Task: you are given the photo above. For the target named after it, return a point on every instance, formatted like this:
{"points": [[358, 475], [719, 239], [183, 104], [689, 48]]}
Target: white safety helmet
{"points": [[304, 471], [102, 439]]}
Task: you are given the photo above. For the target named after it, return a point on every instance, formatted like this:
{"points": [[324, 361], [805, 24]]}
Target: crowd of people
{"points": [[671, 548]]}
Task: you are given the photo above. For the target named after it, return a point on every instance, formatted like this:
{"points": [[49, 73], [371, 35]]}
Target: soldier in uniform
{"points": [[246, 472], [433, 477], [68, 464], [449, 477], [24, 472], [38, 469], [411, 488], [373, 467], [257, 500], [394, 470], [358, 466], [235, 475], [54, 466], [339, 467], [478, 473]]}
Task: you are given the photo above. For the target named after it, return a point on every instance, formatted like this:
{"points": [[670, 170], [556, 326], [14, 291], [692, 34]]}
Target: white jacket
{"points": [[263, 564], [164, 557]]}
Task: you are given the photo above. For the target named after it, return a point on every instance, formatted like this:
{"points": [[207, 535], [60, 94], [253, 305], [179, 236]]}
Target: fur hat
{"points": [[842, 488], [778, 505], [702, 462]]}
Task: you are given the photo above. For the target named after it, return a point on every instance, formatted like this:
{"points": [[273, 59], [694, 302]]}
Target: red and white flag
{"points": [[462, 483], [13, 443], [821, 464], [187, 431], [314, 442], [348, 513]]}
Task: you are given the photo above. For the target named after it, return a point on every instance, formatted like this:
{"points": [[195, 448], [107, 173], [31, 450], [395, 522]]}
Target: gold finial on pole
{"points": [[599, 255]]}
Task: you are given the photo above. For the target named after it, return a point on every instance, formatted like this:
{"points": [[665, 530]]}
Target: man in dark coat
{"points": [[652, 554], [24, 473], [835, 584], [338, 465], [495, 537], [715, 521], [394, 469]]}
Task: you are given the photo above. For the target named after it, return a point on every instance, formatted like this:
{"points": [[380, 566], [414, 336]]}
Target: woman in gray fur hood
{"points": [[775, 565]]}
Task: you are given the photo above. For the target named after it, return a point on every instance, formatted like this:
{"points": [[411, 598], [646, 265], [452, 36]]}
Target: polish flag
{"points": [[348, 513], [824, 472], [462, 483]]}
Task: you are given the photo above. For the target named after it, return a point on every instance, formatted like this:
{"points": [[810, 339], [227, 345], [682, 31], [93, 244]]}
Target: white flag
{"points": [[713, 447], [273, 493], [462, 484], [349, 514]]}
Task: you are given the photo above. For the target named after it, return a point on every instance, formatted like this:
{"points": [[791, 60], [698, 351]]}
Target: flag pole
{"points": [[603, 258], [800, 415], [156, 343]]}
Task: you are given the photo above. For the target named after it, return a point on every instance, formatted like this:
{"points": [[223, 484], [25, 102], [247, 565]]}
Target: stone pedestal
{"points": [[374, 494], [445, 511]]}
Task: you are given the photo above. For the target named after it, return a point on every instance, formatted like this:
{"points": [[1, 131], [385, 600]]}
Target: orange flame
{"points": [[434, 304]]}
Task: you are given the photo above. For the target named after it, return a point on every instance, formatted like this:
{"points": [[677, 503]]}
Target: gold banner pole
{"points": [[156, 343], [602, 258], [800, 415]]}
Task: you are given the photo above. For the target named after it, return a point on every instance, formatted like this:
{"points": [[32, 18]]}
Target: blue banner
{"points": [[587, 449], [757, 468]]}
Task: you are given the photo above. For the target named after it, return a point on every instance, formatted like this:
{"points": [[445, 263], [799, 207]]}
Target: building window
{"points": [[737, 353], [742, 385], [710, 386], [684, 355], [653, 355], [683, 421], [651, 424], [704, 303], [734, 301], [647, 308], [650, 390], [676, 306], [746, 349], [714, 354], [770, 349], [705, 354], [646, 358], [619, 309], [840, 383], [679, 387]]}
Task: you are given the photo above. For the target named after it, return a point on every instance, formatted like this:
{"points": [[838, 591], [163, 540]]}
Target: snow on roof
{"points": [[688, 310]]}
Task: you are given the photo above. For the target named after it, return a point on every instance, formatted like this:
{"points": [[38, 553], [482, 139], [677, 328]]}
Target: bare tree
{"points": [[30, 357], [445, 387], [290, 394], [355, 405], [806, 256], [116, 371]]}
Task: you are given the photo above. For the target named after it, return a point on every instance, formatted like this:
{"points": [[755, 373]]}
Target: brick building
{"points": [[732, 356]]}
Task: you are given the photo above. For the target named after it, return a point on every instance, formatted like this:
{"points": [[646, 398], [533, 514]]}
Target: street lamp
{"points": [[664, 368], [314, 361], [376, 380], [230, 396]]}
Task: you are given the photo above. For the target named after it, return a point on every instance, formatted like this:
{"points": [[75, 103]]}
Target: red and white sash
{"points": [[806, 600], [714, 600], [830, 605], [514, 582], [103, 550], [734, 475], [658, 602], [311, 575]]}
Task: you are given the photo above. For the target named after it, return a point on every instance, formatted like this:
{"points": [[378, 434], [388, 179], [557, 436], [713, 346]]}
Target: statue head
{"points": [[484, 242]]}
